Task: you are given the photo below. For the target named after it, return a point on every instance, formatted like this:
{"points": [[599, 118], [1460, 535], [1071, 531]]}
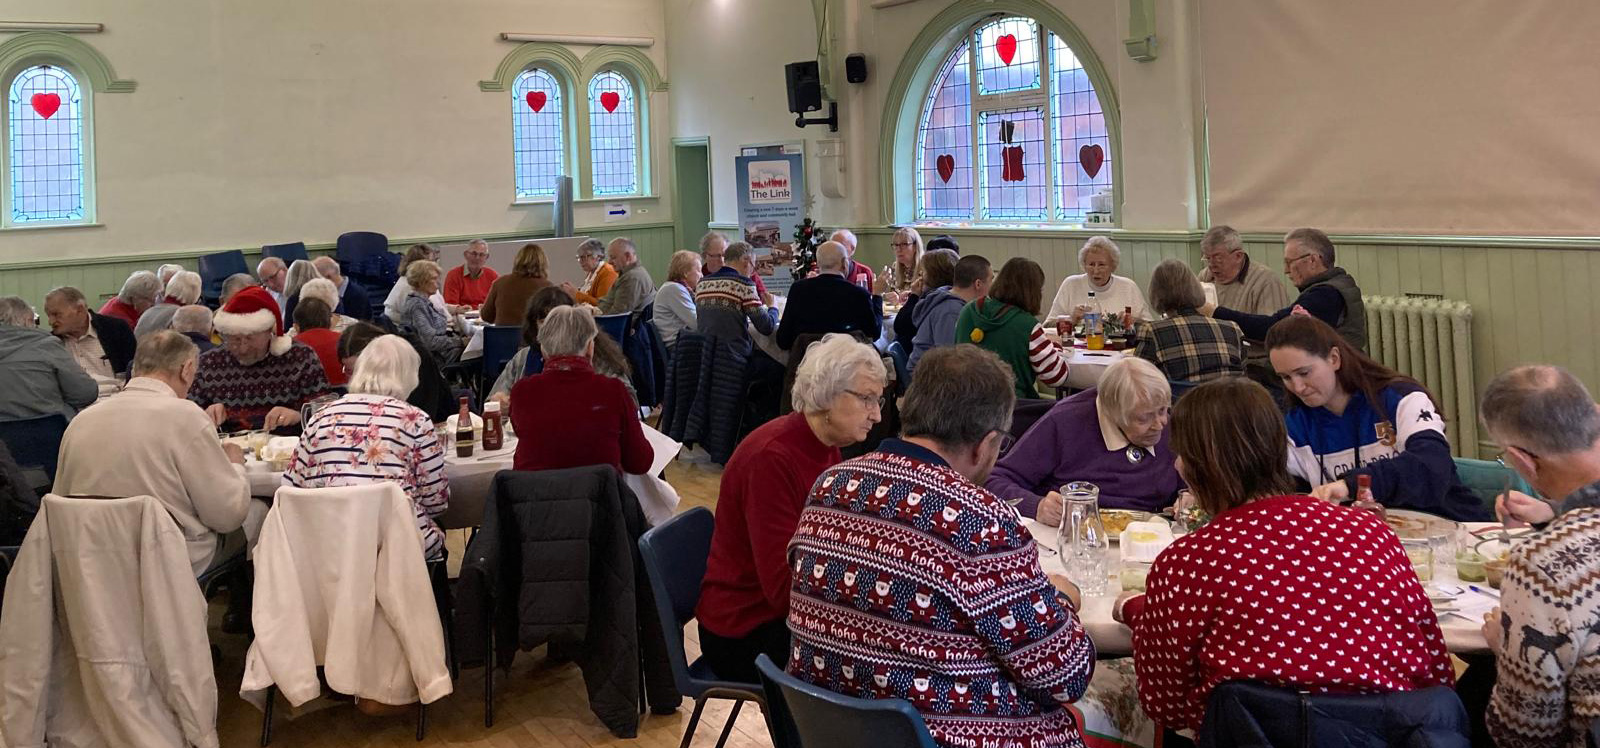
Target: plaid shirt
{"points": [[1190, 347]]}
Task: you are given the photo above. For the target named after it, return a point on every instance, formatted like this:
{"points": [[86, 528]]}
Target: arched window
{"points": [[613, 134], [45, 153], [539, 133], [1011, 130]]}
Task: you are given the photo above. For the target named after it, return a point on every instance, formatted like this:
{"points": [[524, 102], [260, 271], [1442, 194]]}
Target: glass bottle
{"points": [[464, 430], [1094, 330], [1083, 543]]}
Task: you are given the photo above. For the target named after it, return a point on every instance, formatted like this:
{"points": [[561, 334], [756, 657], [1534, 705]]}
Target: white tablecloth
{"points": [[473, 329]]}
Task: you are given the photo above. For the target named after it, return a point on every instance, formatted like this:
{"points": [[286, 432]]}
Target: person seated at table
{"points": [[273, 274], [1350, 416], [147, 440], [908, 580], [1186, 345], [323, 290], [895, 282], [827, 303], [433, 393], [726, 303], [1114, 436], [1099, 258], [944, 241], [19, 501], [1007, 322], [259, 378], [194, 321], [713, 247], [394, 303], [352, 297], [183, 289], [1327, 292], [938, 312], [467, 285], [744, 598], [858, 273], [1242, 284], [608, 358], [1547, 423], [41, 378], [238, 282], [311, 319], [300, 273], [569, 415], [140, 291], [631, 290], [103, 346], [934, 274], [674, 310], [166, 270], [508, 297], [1268, 591], [372, 435], [423, 319], [601, 275]]}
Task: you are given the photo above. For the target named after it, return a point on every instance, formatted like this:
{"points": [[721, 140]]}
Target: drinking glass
{"points": [[1084, 545], [1420, 552]]}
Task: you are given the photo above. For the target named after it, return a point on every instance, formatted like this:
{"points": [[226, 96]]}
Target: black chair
{"points": [[1026, 413], [286, 252], [215, 268], [1244, 713], [800, 714], [500, 343], [35, 443], [675, 555], [354, 246]]}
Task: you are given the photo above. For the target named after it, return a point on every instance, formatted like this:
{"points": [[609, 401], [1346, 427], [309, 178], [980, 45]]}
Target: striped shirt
{"points": [[1049, 363], [361, 439]]}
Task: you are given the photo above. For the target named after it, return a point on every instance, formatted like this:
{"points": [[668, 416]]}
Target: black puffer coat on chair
{"points": [[706, 389]]}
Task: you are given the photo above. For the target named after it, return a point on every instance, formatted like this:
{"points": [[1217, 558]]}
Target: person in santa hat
{"points": [[259, 377]]}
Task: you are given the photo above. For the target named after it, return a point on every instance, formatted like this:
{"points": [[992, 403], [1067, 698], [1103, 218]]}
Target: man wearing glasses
{"points": [[468, 285], [1327, 292], [274, 274]]}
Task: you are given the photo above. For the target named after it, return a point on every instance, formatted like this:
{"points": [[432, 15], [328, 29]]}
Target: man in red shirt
{"points": [[139, 292], [468, 285]]}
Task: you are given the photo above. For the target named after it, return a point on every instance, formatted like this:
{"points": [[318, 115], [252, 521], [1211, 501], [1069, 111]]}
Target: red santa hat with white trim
{"points": [[253, 310]]}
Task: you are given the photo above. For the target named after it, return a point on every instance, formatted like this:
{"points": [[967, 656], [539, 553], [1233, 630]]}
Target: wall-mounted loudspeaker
{"points": [[805, 86], [855, 68]]}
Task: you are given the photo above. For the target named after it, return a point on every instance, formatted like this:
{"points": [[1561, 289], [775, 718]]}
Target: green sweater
{"points": [[1003, 329]]}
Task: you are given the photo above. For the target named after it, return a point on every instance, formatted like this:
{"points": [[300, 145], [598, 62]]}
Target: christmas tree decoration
{"points": [[807, 237]]}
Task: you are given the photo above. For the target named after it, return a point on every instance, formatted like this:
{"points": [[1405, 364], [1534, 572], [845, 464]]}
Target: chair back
{"points": [[902, 360], [674, 555], [1026, 413], [354, 246], [1181, 387], [35, 443], [824, 719], [215, 268], [615, 325], [1591, 739], [1244, 713], [1487, 479], [286, 252], [500, 343]]}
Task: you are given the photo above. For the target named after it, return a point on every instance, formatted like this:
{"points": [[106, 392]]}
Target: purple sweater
{"points": [[1065, 445]]}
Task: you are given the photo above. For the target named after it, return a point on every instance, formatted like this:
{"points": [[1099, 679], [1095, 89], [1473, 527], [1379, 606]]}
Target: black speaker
{"points": [[855, 68], [805, 86]]}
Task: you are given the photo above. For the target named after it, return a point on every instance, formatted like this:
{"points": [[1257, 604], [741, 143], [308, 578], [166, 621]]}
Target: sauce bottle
{"points": [[464, 430], [493, 436], [1094, 331]]}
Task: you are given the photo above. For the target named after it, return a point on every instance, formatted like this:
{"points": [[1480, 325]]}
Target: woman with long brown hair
{"points": [[1007, 322], [1353, 416]]}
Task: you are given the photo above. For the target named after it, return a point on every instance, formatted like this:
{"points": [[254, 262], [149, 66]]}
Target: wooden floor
{"points": [[538, 704]]}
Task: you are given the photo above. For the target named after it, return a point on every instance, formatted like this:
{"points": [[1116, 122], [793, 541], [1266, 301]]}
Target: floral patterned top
{"points": [[361, 439]]}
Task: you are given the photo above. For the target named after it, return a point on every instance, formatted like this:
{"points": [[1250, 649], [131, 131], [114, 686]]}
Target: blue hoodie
{"points": [[935, 317]]}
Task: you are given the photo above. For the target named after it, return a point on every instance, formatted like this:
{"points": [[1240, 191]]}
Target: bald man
{"points": [[273, 274], [827, 302], [855, 272]]}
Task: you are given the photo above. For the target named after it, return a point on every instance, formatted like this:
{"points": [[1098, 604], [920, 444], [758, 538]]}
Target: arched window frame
{"points": [[565, 92], [640, 131], [913, 81]]}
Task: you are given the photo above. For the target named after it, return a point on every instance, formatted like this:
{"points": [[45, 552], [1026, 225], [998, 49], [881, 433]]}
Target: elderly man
{"points": [[909, 580], [467, 285], [259, 378], [353, 300], [274, 274], [40, 377], [858, 273], [140, 291], [827, 302], [103, 346], [235, 283], [937, 313], [1327, 292], [149, 441], [592, 258], [726, 303], [194, 321], [1242, 285], [1544, 634], [633, 289], [713, 247]]}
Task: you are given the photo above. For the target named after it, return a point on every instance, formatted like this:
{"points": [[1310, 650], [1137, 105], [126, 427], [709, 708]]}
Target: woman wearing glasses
{"points": [[895, 282], [744, 599]]}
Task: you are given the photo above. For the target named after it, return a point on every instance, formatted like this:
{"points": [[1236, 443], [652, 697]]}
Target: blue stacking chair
{"points": [[215, 268], [35, 442], [902, 360], [800, 714], [1488, 479], [615, 325], [500, 343], [354, 246], [286, 252], [674, 555]]}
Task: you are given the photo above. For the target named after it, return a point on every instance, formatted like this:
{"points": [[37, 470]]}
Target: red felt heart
{"points": [[1006, 47], [1091, 156], [1011, 164], [536, 101], [610, 100], [46, 104], [946, 165]]}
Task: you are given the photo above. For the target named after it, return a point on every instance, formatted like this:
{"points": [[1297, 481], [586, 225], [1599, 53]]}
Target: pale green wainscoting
{"points": [[1533, 301], [102, 277]]}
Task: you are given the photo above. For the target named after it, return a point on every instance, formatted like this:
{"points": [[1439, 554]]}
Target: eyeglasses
{"points": [[1501, 458], [869, 400], [1290, 263], [898, 245], [1006, 441]]}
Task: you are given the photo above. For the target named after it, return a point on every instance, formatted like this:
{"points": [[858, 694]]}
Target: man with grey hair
{"points": [[633, 289], [103, 346], [353, 301], [1241, 284], [194, 321], [40, 377], [926, 539], [1549, 426], [140, 291], [713, 246], [828, 303], [467, 285], [1327, 292], [592, 258], [274, 275], [726, 302], [858, 273], [238, 282], [148, 440]]}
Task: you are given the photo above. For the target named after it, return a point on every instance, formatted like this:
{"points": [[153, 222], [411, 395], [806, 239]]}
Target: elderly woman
{"points": [[569, 415], [936, 272], [423, 319], [744, 598], [433, 393], [674, 309], [1099, 258], [373, 435], [313, 323], [508, 297], [1186, 345], [300, 272], [324, 290], [183, 289], [139, 292], [592, 258], [1114, 436], [1007, 322], [898, 276], [608, 358], [1266, 592], [394, 303]]}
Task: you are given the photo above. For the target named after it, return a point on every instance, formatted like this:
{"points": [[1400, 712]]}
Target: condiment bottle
{"points": [[1094, 332], [1364, 499], [493, 437], [464, 430], [1127, 321]]}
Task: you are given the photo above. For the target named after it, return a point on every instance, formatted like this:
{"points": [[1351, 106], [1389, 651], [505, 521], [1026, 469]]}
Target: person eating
{"points": [[259, 377], [1099, 258]]}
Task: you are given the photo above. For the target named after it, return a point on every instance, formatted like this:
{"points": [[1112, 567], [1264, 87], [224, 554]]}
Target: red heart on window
{"points": [[610, 100], [1091, 156], [1006, 47], [1011, 164], [946, 164], [46, 104], [536, 101]]}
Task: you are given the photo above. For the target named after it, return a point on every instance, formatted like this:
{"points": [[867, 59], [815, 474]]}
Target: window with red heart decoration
{"points": [[539, 146], [45, 159]]}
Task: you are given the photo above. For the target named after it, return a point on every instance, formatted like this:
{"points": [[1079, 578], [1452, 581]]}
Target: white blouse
{"points": [[1119, 293]]}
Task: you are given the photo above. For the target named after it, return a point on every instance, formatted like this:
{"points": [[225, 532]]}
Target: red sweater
{"points": [[463, 291], [1289, 591], [569, 416], [326, 343], [116, 307], [764, 487]]}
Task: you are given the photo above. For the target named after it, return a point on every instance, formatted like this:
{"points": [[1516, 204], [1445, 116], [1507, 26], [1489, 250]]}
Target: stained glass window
{"points": [[538, 133], [1008, 55], [945, 151], [613, 134], [1015, 180], [45, 155], [1079, 131]]}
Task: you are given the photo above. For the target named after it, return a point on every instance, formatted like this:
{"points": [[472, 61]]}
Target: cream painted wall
{"points": [[301, 119]]}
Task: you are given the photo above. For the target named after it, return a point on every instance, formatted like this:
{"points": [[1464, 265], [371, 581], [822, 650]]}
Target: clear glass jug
{"points": [[1082, 542]]}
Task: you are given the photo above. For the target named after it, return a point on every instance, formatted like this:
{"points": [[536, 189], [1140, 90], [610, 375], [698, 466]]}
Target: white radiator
{"points": [[1430, 340]]}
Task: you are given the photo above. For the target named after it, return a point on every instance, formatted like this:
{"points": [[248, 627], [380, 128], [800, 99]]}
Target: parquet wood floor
{"points": [[538, 704]]}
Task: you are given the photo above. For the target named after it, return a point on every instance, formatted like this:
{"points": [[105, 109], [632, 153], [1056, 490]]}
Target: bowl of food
{"points": [[1116, 520], [1494, 570]]}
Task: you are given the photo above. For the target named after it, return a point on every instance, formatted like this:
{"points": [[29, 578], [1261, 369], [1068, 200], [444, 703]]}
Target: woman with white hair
{"points": [[744, 598], [570, 415], [1099, 258], [182, 290], [423, 319], [324, 290], [373, 435], [1114, 436], [140, 291], [300, 271]]}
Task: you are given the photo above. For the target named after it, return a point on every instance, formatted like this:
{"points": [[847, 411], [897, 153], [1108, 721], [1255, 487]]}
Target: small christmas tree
{"points": [[807, 237]]}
